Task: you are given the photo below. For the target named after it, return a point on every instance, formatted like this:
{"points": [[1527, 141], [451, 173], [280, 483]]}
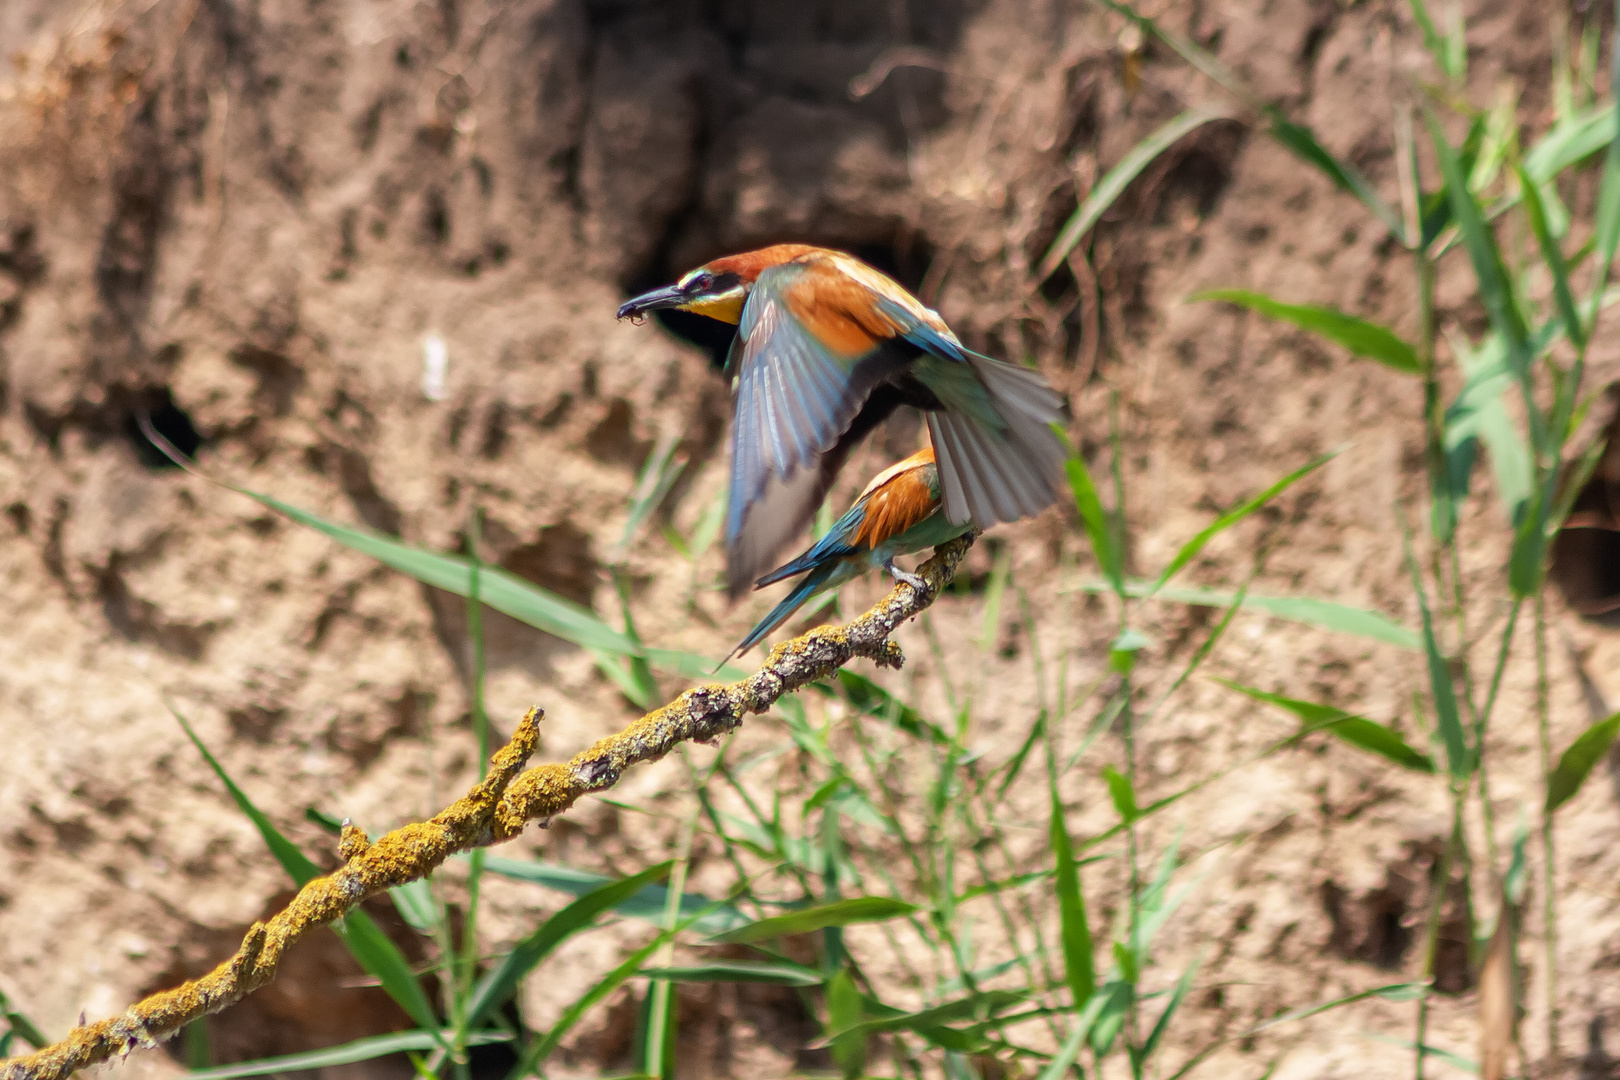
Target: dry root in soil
{"points": [[496, 809]]}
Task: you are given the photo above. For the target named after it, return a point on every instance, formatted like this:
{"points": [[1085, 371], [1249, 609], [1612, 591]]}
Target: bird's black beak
{"points": [[667, 297]]}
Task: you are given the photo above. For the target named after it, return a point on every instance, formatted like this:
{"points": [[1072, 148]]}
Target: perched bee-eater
{"points": [[826, 348], [897, 514]]}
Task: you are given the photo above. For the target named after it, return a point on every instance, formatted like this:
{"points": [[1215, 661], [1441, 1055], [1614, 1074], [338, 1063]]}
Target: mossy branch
{"points": [[497, 809]]}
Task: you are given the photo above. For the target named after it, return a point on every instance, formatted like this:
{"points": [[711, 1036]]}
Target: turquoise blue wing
{"points": [[794, 398]]}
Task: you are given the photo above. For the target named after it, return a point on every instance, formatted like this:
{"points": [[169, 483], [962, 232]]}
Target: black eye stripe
{"points": [[707, 284]]}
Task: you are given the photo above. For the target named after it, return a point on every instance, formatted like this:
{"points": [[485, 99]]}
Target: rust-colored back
{"points": [[898, 498]]}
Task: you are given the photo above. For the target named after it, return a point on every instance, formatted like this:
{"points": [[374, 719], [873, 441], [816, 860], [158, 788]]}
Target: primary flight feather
{"points": [[826, 348]]}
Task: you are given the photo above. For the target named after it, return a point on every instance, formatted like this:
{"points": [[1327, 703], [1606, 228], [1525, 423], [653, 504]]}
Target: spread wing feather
{"points": [[989, 475], [797, 403], [794, 398]]}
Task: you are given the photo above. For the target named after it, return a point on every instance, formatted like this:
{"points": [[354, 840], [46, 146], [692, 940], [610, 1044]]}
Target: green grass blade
{"points": [[1356, 730], [653, 1043], [299, 866], [370, 947], [692, 666], [20, 1025], [1448, 718], [1527, 561], [1410, 991], [739, 971], [1450, 50], [349, 1053], [1379, 739], [1078, 963], [1116, 996], [980, 1006], [380, 957], [1574, 483], [1569, 142], [196, 1046], [1455, 1060], [613, 667], [1096, 522], [658, 474], [1362, 338], [502, 981], [994, 589], [1495, 286], [1160, 1026], [708, 526], [870, 698], [499, 589], [641, 676], [1513, 881], [1189, 551], [1459, 451], [1324, 614], [1069, 1052], [860, 909], [1480, 412], [1553, 256], [539, 1049], [1305, 146], [1199, 57], [417, 905], [1577, 762], [844, 1009], [1607, 233], [1015, 764], [1431, 35], [1117, 179], [1123, 794], [647, 903], [1300, 140], [1122, 651], [1499, 138], [1510, 457], [958, 983]]}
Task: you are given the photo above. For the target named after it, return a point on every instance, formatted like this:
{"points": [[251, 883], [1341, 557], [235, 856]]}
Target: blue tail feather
{"points": [[802, 592], [830, 547]]}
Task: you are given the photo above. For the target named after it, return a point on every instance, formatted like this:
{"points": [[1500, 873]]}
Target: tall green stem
{"points": [[1431, 933], [1128, 726], [1549, 897]]}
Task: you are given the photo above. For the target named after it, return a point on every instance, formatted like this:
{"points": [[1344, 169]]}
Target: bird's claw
{"points": [[914, 580]]}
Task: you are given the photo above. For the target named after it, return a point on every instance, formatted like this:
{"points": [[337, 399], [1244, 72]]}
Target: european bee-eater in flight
{"points": [[826, 348], [897, 514]]}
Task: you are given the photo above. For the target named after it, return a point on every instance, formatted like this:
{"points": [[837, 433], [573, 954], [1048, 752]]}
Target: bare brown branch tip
{"points": [[496, 809]]}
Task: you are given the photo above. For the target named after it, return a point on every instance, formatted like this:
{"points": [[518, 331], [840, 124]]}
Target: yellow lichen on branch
{"points": [[496, 809]]}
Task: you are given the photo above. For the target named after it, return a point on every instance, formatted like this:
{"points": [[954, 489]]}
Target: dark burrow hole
{"points": [[1199, 176], [906, 260], [1383, 925], [170, 422], [1586, 551]]}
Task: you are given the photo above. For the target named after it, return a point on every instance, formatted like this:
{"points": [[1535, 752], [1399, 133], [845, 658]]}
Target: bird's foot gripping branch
{"points": [[496, 809]]}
